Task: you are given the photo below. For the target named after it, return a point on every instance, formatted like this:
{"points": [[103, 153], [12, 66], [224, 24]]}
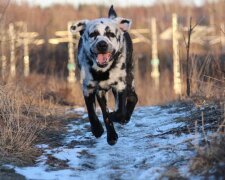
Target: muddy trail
{"points": [[150, 146]]}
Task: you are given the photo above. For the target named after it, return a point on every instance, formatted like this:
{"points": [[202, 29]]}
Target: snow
{"points": [[41, 173], [142, 152]]}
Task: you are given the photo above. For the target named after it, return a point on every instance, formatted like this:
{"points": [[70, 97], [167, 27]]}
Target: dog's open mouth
{"points": [[103, 59]]}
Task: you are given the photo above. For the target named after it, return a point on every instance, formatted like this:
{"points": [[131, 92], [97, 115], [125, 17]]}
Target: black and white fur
{"points": [[105, 60]]}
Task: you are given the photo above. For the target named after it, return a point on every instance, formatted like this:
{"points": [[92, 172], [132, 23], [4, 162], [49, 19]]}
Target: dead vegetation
{"points": [[19, 125], [25, 117], [208, 117], [210, 158]]}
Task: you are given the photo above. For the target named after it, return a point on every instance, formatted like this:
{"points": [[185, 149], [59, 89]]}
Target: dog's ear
{"points": [[112, 13], [78, 26], [124, 24]]}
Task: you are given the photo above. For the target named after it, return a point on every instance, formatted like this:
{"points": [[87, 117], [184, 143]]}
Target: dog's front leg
{"points": [[111, 133], [96, 126]]}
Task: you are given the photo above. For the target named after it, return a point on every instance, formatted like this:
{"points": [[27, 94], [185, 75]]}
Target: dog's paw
{"points": [[112, 137], [97, 130], [124, 121], [117, 117]]}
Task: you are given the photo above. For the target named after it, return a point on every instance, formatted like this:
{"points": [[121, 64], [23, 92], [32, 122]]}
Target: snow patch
{"points": [[142, 151]]}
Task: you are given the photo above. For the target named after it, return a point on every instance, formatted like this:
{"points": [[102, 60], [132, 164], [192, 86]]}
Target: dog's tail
{"points": [[112, 13]]}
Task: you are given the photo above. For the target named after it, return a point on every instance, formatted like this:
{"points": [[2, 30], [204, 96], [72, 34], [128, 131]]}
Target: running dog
{"points": [[105, 60]]}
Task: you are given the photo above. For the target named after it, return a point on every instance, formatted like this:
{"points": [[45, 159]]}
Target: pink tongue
{"points": [[103, 58]]}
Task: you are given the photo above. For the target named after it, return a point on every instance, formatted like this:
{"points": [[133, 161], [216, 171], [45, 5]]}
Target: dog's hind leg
{"points": [[120, 112], [96, 126], [132, 100], [111, 133], [125, 103]]}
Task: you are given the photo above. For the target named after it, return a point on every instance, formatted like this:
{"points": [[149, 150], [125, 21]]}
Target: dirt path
{"points": [[147, 148]]}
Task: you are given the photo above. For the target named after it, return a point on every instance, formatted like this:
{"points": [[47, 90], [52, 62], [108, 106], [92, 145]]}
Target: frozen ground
{"points": [[145, 150]]}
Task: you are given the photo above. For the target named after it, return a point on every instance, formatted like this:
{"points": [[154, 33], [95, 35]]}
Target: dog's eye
{"points": [[110, 34], [94, 34]]}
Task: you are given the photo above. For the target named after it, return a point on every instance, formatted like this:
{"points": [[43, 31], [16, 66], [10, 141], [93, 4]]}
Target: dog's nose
{"points": [[102, 46]]}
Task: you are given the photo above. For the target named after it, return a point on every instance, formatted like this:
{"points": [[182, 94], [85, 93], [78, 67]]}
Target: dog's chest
{"points": [[115, 78]]}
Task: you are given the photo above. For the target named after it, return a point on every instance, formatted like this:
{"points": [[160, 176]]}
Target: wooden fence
{"points": [[17, 35]]}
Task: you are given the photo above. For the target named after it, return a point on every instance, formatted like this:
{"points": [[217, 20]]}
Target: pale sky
{"points": [[45, 3]]}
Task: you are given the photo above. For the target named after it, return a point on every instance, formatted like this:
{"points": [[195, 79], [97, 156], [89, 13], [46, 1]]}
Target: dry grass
{"points": [[208, 94], [58, 91], [149, 93], [210, 155], [207, 78], [210, 159], [24, 116], [18, 129]]}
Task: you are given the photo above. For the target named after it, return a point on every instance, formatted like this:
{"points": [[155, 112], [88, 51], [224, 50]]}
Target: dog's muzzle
{"points": [[103, 56], [102, 46]]}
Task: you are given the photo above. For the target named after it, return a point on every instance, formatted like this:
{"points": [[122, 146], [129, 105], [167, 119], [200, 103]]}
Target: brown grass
{"points": [[211, 157], [18, 128], [207, 79], [207, 122], [24, 116], [56, 90], [149, 93]]}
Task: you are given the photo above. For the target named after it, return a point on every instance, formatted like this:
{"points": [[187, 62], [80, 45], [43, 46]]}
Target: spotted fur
{"points": [[105, 59]]}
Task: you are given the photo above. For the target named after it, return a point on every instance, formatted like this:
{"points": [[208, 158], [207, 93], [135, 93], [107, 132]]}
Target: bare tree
{"points": [[188, 44]]}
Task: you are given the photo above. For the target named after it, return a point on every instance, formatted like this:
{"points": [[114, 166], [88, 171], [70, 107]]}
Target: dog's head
{"points": [[102, 38]]}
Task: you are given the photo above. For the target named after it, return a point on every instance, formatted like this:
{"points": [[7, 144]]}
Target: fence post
{"points": [[3, 56], [176, 63], [26, 60], [12, 50], [155, 60], [71, 64]]}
